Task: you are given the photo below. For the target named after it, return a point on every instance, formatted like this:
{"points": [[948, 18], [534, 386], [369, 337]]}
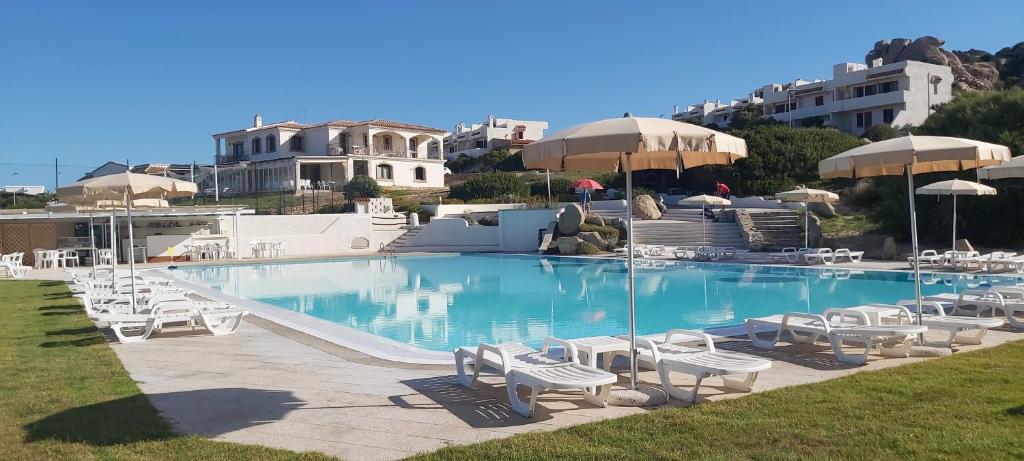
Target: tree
{"points": [[749, 117], [362, 187], [780, 157], [492, 158], [881, 132], [991, 116]]}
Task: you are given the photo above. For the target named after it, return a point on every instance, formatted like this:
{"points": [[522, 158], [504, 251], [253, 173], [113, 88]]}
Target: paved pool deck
{"points": [[273, 386]]}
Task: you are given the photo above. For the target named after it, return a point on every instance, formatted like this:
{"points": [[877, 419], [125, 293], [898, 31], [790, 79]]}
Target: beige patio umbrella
{"points": [[126, 187], [911, 155], [704, 200], [956, 187], [805, 195], [1012, 169], [633, 143]]}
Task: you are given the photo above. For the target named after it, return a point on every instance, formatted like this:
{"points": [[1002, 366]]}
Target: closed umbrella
{"points": [[704, 200], [127, 187], [956, 187], [805, 195], [911, 155], [633, 143]]}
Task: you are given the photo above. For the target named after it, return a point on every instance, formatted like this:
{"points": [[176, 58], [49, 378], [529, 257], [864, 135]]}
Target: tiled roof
{"points": [[399, 125], [285, 124]]}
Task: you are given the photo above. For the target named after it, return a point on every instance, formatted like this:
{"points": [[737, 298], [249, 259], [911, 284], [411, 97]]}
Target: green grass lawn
{"points": [[848, 225], [65, 395], [968, 406]]}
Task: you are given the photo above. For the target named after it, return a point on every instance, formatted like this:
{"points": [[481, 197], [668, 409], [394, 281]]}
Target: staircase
{"points": [[397, 245], [780, 228], [681, 227]]}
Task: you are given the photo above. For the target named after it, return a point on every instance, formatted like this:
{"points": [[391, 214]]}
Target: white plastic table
{"points": [[594, 346]]}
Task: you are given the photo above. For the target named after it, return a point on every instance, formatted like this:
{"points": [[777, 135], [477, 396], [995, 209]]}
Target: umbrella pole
{"points": [[113, 248], [131, 247], [954, 231], [92, 247], [629, 271], [703, 228], [547, 175], [913, 244], [807, 226]]}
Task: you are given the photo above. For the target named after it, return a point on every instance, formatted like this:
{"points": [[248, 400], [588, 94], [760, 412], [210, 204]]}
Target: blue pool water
{"points": [[444, 301]]}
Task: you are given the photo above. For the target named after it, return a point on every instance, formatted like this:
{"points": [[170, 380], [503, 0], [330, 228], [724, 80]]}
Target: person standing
{"points": [[722, 190]]}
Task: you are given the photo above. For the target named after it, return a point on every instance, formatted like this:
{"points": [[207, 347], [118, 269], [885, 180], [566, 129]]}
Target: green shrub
{"points": [[362, 187], [559, 186], [881, 132], [587, 248], [347, 207], [608, 233], [512, 162], [490, 186]]}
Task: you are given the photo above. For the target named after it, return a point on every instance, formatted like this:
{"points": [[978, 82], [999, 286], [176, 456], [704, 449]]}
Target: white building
{"points": [[858, 96], [717, 113], [494, 133], [294, 156]]}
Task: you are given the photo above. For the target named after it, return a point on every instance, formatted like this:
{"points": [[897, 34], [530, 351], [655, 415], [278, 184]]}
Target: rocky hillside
{"points": [[973, 69]]}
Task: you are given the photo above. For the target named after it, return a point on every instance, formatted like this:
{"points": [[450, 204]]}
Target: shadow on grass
{"points": [[52, 283], [73, 331], [61, 307], [1015, 411], [53, 313], [208, 412], [81, 342]]}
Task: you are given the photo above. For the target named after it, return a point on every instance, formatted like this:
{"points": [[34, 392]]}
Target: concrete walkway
{"points": [[271, 386]]}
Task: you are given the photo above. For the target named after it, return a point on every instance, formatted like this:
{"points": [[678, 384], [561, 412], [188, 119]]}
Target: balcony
{"points": [[231, 158], [864, 102]]}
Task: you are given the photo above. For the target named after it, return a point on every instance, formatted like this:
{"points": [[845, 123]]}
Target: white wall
{"points": [[463, 208], [455, 234], [321, 234], [518, 228]]}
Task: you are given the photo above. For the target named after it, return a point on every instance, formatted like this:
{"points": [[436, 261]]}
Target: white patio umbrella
{"points": [[127, 187], [807, 196], [633, 143], [1011, 169], [911, 155], [704, 200], [956, 187]]}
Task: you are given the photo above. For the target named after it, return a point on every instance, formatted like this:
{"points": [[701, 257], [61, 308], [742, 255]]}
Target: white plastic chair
{"points": [[70, 258]]}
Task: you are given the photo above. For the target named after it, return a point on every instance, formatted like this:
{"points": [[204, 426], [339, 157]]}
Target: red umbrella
{"points": [[587, 183]]}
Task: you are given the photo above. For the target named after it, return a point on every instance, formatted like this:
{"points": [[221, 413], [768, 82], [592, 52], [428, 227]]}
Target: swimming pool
{"points": [[439, 302]]}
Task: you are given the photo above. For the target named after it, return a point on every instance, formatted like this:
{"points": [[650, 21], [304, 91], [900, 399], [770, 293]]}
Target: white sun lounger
{"points": [[219, 322], [9, 269], [927, 258], [960, 330], [853, 256], [788, 254], [840, 327], [975, 302], [738, 372], [822, 255], [523, 365]]}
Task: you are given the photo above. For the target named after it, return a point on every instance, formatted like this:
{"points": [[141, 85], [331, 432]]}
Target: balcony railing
{"points": [[379, 150], [231, 158]]}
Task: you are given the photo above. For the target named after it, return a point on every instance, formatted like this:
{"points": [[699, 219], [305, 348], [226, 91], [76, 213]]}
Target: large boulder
{"points": [[825, 210], [570, 219], [975, 75], [594, 239], [644, 207], [888, 249], [568, 245], [594, 219]]}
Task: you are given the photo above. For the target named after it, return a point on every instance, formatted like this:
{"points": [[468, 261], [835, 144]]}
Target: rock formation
{"points": [[972, 70], [644, 207], [570, 219]]}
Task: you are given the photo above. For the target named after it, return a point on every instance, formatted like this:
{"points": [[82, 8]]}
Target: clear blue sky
{"points": [[151, 81]]}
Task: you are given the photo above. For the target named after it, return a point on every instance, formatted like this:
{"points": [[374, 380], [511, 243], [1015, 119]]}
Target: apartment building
{"points": [[715, 113], [494, 133], [857, 97], [295, 156]]}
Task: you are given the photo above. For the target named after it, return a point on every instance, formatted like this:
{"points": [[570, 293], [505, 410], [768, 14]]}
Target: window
{"points": [[384, 171], [481, 144], [889, 87], [887, 115], [792, 105], [819, 100], [863, 119], [858, 92], [387, 142], [412, 145], [935, 88], [257, 145], [238, 149], [870, 90], [271, 143], [366, 140], [780, 108], [860, 120], [421, 173], [295, 144]]}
